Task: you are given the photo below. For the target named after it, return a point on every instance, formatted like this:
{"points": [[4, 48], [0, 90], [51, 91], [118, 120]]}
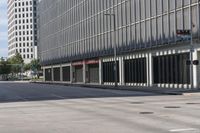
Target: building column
{"points": [[100, 72], [52, 74], [150, 70], [84, 72], [44, 75], [195, 80], [61, 73], [147, 69], [121, 71], [71, 73]]}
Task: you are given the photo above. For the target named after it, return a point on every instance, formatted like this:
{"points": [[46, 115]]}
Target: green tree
{"points": [[27, 67], [5, 68], [35, 66], [16, 63]]}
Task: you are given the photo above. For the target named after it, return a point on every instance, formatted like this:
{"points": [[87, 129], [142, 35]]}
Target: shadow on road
{"points": [[20, 92]]}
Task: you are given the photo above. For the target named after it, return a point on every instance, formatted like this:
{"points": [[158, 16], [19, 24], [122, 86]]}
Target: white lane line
{"points": [[183, 130], [58, 96]]}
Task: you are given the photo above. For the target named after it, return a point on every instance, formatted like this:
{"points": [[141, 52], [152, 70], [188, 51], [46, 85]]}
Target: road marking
{"points": [[182, 130], [57, 96]]}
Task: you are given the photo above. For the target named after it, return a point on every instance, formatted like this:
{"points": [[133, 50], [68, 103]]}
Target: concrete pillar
{"points": [[61, 73], [100, 72], [52, 74], [84, 73], [195, 80], [150, 70], [71, 74], [44, 76], [147, 65], [121, 71], [198, 70]]}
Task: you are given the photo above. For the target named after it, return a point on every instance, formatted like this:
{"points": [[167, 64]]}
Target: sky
{"points": [[3, 29]]}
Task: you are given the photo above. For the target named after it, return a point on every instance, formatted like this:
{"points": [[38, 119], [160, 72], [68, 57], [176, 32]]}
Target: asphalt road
{"points": [[60, 109], [15, 92]]}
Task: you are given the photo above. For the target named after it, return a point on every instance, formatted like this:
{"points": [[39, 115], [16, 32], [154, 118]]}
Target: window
{"points": [[135, 70], [171, 69], [109, 73]]}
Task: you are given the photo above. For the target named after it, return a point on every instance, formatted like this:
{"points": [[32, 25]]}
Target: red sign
{"points": [[87, 62], [183, 32], [79, 63], [95, 61]]}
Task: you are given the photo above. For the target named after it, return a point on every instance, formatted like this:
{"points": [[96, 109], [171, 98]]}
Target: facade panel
{"points": [[149, 52], [72, 30]]}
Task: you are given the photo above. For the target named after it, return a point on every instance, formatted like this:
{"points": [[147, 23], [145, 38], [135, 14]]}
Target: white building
{"points": [[22, 29]]}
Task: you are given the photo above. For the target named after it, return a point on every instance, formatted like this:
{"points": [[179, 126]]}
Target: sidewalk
{"points": [[157, 90], [14, 81]]}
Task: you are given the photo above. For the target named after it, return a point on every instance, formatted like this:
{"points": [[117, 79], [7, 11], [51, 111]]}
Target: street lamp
{"points": [[113, 16]]}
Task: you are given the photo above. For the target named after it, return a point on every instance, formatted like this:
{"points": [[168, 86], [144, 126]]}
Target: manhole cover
{"points": [[172, 107], [192, 103], [146, 113], [137, 102]]}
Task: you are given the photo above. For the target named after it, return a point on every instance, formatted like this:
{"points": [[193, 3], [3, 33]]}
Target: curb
{"points": [[156, 90]]}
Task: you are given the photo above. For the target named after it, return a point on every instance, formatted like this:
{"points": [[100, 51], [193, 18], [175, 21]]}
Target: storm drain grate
{"points": [[146, 113], [192, 103], [172, 107]]}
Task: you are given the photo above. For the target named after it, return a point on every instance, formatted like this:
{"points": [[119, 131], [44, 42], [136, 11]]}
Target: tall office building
{"points": [[156, 41], [22, 29]]}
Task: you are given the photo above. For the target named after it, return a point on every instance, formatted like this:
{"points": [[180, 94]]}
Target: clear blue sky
{"points": [[3, 28]]}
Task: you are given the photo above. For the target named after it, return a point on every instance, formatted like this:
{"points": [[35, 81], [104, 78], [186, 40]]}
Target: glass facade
{"points": [[79, 29]]}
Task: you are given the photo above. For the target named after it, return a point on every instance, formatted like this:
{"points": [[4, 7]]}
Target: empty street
{"points": [[36, 108]]}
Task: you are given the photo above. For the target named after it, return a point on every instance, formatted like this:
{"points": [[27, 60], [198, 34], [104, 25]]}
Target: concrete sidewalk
{"points": [[149, 114], [158, 90]]}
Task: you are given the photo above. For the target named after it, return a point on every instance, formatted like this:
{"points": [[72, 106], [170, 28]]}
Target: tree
{"points": [[17, 59], [35, 66], [27, 67], [5, 68], [16, 63]]}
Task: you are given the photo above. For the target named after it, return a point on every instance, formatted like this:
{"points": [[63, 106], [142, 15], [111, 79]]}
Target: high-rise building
{"points": [[22, 29], [156, 42]]}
